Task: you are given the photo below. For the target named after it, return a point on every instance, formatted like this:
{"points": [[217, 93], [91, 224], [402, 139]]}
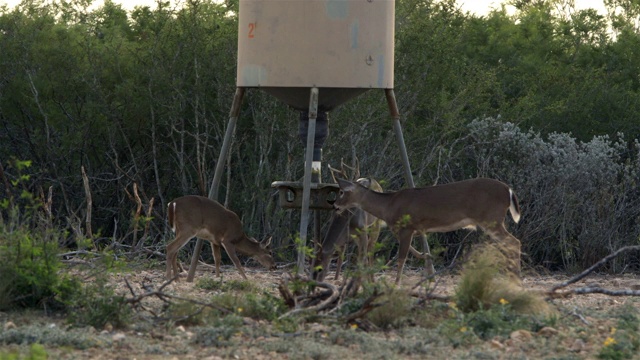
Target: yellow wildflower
{"points": [[609, 341], [613, 330], [240, 310], [463, 329], [503, 301], [354, 326]]}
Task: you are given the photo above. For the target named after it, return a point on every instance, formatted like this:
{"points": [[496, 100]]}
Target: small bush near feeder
{"points": [[484, 284], [395, 309]]}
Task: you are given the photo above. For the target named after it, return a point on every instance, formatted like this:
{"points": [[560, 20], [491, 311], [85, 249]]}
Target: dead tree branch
{"points": [[591, 269], [136, 218]]}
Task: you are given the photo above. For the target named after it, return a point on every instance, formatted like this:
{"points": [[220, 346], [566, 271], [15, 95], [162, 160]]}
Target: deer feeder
{"points": [[313, 55]]}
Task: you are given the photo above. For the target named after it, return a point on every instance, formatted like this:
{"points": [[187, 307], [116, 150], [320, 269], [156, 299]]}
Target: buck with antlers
{"points": [[355, 224], [468, 204], [363, 227], [196, 216]]}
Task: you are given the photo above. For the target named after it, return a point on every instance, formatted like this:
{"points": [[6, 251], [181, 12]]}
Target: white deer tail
{"points": [[514, 208], [171, 215]]}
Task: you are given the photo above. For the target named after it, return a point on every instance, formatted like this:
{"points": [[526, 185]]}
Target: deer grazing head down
{"points": [[356, 224], [196, 216], [469, 204]]}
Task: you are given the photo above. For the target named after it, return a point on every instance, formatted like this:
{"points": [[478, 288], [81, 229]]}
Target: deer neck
{"points": [[376, 204]]}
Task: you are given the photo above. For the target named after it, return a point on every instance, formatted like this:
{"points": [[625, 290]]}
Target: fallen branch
{"points": [[554, 294], [592, 290], [588, 271], [136, 299], [333, 295]]}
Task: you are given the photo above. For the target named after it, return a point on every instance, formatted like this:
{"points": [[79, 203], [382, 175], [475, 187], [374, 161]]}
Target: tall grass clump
{"points": [[394, 308], [484, 283]]}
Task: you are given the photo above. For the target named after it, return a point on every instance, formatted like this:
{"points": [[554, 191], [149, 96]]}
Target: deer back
{"points": [[438, 208], [202, 217]]}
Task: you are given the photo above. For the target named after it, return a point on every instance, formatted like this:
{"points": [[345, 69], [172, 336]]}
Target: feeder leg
{"points": [[395, 115], [222, 159], [306, 182]]}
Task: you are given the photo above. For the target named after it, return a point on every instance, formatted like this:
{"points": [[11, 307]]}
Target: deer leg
{"points": [[217, 257], [172, 255], [404, 238], [231, 251]]}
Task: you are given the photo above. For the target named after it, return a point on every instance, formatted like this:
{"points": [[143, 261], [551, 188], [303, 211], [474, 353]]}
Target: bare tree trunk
{"points": [[87, 191]]}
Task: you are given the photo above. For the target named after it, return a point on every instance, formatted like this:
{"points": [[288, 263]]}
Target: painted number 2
{"points": [[252, 29]]}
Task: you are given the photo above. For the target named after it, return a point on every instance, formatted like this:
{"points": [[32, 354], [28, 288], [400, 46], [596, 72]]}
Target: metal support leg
{"points": [[395, 115], [306, 183], [222, 158]]}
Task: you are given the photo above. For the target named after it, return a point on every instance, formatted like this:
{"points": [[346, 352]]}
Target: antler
{"points": [[336, 173], [342, 172]]}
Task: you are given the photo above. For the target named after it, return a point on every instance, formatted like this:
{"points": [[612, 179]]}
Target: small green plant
{"points": [[496, 321], [394, 310], [257, 306], [219, 334], [209, 283], [187, 313], [97, 304], [36, 352], [622, 342], [287, 324]]}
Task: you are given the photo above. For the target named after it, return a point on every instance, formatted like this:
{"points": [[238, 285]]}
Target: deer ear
{"points": [[266, 243], [345, 185], [366, 182]]}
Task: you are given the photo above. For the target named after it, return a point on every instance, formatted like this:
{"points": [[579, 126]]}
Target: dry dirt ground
{"points": [[581, 327]]}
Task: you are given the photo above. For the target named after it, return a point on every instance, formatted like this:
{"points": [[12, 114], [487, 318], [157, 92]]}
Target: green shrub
{"points": [[96, 305], [258, 306], [394, 311], [50, 337], [623, 342], [190, 314], [30, 267], [36, 352], [220, 333], [209, 283], [264, 306]]}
